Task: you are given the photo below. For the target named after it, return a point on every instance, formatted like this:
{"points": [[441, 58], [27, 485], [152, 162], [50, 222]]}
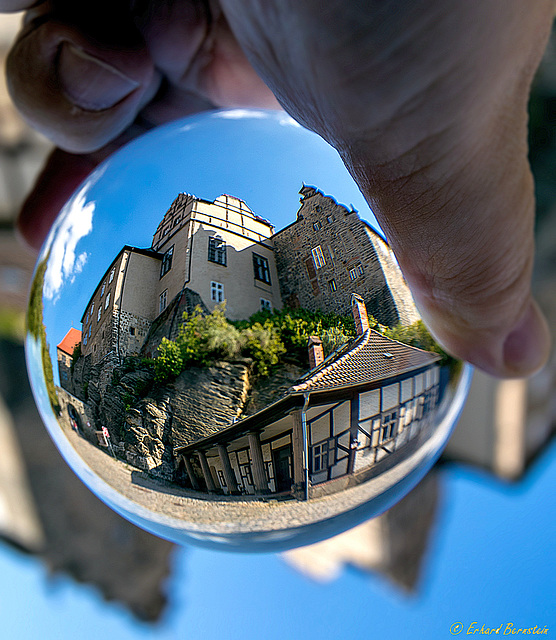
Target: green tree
{"points": [[35, 325]]}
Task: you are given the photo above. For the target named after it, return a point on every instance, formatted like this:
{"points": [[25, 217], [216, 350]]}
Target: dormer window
{"points": [[167, 261]]}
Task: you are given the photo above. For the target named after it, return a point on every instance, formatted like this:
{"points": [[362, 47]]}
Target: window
{"points": [[261, 268], [332, 285], [90, 328], [112, 275], [317, 225], [85, 340], [162, 301], [132, 330], [329, 219], [103, 288], [318, 257], [322, 455], [166, 261], [353, 274], [107, 300], [217, 291], [360, 269], [266, 305], [99, 312], [217, 251], [87, 318], [389, 424]]}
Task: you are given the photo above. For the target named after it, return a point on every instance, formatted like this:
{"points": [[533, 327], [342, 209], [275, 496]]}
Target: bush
{"points": [[262, 343], [169, 362], [76, 354], [333, 339], [416, 335]]}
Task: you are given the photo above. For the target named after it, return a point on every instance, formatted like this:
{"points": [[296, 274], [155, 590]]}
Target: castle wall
{"points": [[240, 289], [139, 286], [64, 365], [187, 227], [330, 253]]}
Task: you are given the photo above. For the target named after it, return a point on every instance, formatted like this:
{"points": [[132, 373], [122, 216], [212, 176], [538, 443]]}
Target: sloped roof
{"points": [[72, 337], [371, 357]]}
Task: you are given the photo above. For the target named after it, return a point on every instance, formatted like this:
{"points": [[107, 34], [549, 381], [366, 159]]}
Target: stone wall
{"points": [[131, 332], [73, 407], [206, 400], [327, 254]]}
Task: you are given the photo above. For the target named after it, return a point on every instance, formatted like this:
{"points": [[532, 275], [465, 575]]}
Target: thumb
{"points": [[462, 229]]}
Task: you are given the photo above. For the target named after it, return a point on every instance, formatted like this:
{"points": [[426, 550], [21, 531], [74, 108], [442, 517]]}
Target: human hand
{"points": [[425, 101]]}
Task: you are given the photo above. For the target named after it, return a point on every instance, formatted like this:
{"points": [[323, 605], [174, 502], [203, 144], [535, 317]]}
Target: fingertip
{"points": [[527, 347], [75, 90]]}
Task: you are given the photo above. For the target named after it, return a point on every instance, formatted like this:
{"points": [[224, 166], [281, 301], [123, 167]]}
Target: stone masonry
{"points": [[328, 253]]}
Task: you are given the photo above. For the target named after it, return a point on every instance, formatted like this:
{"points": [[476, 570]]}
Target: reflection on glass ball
{"points": [[222, 345]]}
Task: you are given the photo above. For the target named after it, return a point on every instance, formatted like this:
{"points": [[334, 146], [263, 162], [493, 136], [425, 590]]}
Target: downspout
{"points": [[305, 444], [188, 275]]}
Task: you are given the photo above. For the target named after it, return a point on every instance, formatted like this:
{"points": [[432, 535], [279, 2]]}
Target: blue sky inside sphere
{"points": [[262, 157]]}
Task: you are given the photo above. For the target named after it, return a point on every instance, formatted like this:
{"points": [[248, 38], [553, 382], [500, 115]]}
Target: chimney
{"points": [[316, 354], [359, 314]]}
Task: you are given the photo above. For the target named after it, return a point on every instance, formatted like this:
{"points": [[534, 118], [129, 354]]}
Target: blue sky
{"points": [[262, 157], [491, 560]]}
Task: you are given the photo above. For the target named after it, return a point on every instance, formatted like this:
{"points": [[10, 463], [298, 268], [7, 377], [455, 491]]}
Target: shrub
{"points": [[332, 339], [169, 362], [416, 335], [262, 343], [76, 354]]}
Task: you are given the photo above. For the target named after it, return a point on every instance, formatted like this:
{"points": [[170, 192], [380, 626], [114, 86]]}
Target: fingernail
{"points": [[527, 347], [90, 83]]}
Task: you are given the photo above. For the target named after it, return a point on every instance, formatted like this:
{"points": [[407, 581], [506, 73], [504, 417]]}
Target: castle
{"points": [[211, 252], [359, 406]]}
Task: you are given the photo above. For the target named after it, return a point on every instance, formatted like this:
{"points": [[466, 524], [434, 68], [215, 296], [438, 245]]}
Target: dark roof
{"points": [[369, 361], [371, 357]]}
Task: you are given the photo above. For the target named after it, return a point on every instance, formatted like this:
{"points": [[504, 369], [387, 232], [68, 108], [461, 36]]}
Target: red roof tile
{"points": [[72, 337], [371, 357]]}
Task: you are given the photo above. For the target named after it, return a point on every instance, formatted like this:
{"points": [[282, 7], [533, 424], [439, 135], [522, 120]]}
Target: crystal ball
{"points": [[221, 343]]}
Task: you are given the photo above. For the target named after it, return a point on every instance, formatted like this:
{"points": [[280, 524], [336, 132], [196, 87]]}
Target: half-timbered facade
{"points": [[354, 410]]}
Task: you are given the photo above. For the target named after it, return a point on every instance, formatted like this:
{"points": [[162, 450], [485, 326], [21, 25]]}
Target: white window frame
{"points": [[163, 301], [111, 275], [107, 300], [318, 257], [353, 274], [216, 291], [99, 312]]}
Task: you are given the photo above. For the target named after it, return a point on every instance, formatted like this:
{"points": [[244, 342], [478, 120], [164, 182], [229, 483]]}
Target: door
{"points": [[282, 459]]}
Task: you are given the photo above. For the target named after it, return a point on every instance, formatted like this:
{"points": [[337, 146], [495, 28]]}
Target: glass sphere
{"points": [[222, 345]]}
